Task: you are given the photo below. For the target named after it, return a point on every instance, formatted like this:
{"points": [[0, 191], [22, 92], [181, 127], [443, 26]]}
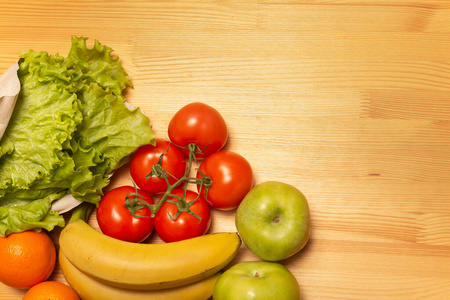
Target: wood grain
{"points": [[348, 100]]}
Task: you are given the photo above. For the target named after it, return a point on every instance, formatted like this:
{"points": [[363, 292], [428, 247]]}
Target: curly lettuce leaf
{"points": [[34, 215], [100, 153], [45, 117], [99, 66]]}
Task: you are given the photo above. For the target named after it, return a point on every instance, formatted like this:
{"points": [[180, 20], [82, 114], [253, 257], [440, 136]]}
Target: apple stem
{"points": [[256, 274]]}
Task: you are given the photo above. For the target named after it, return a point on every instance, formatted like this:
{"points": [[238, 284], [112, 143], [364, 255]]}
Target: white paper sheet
{"points": [[9, 90]]}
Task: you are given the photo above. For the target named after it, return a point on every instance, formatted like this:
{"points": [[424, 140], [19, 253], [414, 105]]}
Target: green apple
{"points": [[257, 280], [273, 220]]}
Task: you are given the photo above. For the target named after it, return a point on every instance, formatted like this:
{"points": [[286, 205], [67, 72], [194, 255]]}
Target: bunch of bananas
{"points": [[100, 267]]}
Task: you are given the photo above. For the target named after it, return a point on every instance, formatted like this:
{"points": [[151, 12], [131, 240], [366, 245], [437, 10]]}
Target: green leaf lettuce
{"points": [[69, 131]]}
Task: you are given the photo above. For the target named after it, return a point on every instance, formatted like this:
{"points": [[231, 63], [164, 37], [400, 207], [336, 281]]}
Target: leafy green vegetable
{"points": [[69, 131]]}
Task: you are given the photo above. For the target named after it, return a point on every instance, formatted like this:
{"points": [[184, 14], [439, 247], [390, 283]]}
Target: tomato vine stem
{"points": [[133, 204]]}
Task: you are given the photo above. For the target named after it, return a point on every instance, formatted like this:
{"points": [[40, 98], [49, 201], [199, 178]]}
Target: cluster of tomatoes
{"points": [[197, 133]]}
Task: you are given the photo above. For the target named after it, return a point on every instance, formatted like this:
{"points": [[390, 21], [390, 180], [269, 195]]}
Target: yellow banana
{"points": [[146, 266], [89, 288]]}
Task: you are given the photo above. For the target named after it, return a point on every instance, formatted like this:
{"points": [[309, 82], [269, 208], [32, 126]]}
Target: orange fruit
{"points": [[26, 258], [51, 290]]}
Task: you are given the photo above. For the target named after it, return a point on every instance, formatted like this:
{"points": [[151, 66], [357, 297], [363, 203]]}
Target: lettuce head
{"points": [[69, 131]]}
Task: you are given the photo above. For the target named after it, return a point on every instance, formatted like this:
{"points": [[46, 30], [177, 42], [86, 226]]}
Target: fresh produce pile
{"points": [[168, 196]]}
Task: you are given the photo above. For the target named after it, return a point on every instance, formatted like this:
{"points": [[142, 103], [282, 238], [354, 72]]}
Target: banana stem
{"points": [[82, 212]]}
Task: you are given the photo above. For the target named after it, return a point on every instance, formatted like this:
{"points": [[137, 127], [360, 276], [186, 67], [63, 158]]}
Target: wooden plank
{"points": [[348, 100]]}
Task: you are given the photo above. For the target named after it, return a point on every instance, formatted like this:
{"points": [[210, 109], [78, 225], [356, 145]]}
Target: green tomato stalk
{"points": [[135, 202]]}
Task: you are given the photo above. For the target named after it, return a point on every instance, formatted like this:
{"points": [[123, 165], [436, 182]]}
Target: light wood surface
{"points": [[347, 100]]}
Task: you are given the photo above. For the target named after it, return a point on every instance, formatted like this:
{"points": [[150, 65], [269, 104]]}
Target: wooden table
{"points": [[348, 100]]}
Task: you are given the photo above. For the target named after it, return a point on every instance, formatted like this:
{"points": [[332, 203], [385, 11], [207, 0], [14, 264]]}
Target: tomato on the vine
{"points": [[116, 221], [231, 179], [173, 223], [200, 124], [173, 162]]}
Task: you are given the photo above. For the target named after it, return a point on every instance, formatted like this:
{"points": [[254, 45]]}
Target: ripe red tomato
{"points": [[232, 179], [147, 156], [185, 226], [201, 124], [116, 221]]}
